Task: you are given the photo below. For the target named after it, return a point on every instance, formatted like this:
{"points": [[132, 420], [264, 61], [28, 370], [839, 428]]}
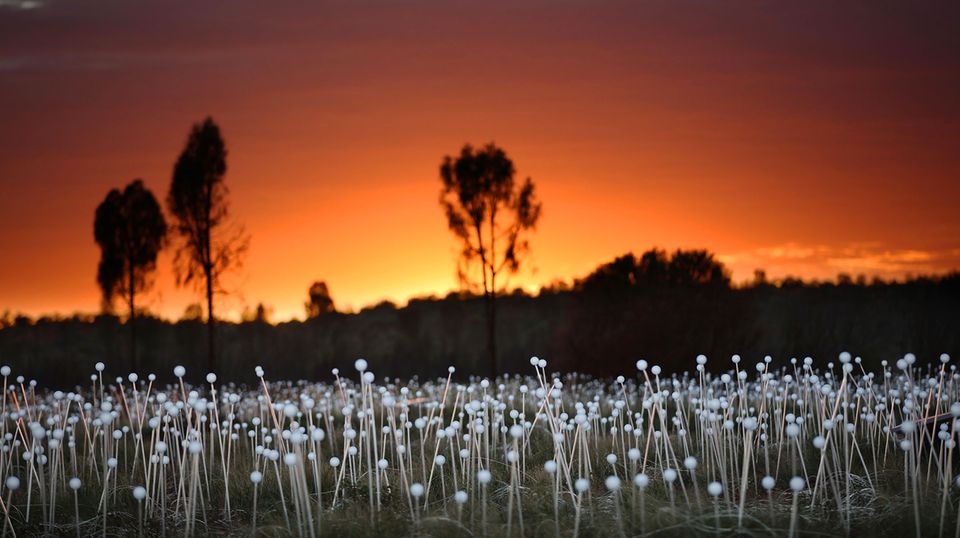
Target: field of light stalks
{"points": [[806, 448]]}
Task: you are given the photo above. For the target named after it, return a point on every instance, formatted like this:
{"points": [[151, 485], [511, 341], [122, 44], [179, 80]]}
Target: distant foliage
{"points": [[627, 308], [261, 314], [319, 301], [684, 268]]}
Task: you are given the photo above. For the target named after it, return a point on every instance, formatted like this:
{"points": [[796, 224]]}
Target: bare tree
{"points": [[490, 213], [130, 229], [211, 243]]}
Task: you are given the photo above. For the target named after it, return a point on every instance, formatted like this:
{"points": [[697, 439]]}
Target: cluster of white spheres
{"points": [[538, 362], [795, 425]]}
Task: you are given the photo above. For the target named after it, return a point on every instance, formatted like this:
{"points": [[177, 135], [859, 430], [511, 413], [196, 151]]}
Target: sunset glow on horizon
{"points": [[804, 140]]}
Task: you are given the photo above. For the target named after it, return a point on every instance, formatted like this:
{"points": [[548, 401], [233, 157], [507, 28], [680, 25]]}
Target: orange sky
{"points": [[806, 139]]}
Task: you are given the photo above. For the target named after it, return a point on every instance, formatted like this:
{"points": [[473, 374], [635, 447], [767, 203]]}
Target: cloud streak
{"points": [[823, 261], [21, 4]]}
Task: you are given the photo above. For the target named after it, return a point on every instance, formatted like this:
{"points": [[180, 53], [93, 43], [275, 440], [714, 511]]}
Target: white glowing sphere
{"points": [[484, 476]]}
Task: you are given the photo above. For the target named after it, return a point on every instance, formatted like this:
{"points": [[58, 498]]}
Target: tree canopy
{"points": [[130, 229]]}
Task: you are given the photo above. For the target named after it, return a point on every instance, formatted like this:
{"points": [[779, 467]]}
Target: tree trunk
{"points": [[134, 367], [211, 356], [492, 324], [492, 333]]}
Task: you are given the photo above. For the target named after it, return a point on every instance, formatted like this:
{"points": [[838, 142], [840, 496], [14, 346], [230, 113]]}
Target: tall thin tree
{"points": [[130, 229], [490, 214], [211, 243]]}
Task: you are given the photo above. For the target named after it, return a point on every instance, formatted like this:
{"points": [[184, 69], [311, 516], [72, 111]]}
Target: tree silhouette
{"points": [[489, 213], [211, 244], [685, 268], [130, 229], [319, 301], [697, 267]]}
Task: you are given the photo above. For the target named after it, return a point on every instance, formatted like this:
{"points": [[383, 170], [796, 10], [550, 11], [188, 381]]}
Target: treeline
{"points": [[664, 308]]}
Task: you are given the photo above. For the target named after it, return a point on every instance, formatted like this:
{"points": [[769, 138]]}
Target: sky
{"points": [[804, 138]]}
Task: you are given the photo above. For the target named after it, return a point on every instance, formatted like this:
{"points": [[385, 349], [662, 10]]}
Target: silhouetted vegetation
{"points": [[210, 243], [130, 229], [630, 308], [319, 301], [684, 268], [489, 213]]}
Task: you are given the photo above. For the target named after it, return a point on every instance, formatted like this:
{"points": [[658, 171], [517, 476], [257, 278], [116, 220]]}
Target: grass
{"points": [[869, 461]]}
